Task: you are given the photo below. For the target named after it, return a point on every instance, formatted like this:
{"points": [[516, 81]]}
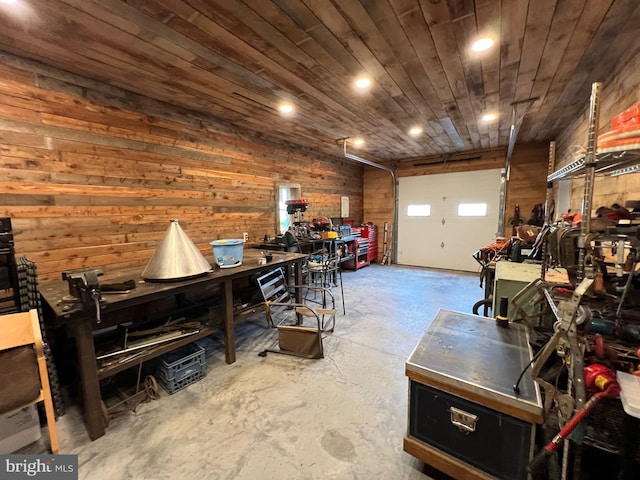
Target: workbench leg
{"points": [[297, 280], [89, 378], [229, 332]]}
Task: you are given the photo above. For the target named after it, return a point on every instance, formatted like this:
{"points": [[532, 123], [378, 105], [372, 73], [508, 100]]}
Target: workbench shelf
{"points": [[152, 352], [196, 319], [347, 258], [208, 316], [358, 253]]}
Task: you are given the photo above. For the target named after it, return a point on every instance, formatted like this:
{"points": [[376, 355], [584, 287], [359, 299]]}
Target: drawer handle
{"points": [[465, 421]]}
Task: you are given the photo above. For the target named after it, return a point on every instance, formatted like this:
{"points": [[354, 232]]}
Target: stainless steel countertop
{"points": [[472, 353]]}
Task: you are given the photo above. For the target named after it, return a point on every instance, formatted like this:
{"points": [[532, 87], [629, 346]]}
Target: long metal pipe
{"points": [[502, 202], [504, 175], [513, 135], [394, 223]]}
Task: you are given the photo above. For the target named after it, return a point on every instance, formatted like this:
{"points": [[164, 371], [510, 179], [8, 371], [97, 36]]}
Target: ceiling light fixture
{"points": [[286, 109], [415, 131], [363, 83], [19, 10], [488, 117], [482, 44], [358, 142]]}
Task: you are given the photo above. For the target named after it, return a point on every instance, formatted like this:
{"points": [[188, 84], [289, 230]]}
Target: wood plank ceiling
{"points": [[238, 60]]}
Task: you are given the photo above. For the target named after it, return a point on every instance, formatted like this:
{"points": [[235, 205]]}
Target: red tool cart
{"points": [[359, 248], [370, 232]]}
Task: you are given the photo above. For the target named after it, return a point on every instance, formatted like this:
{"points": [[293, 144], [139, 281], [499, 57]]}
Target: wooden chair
{"points": [[295, 335], [24, 380]]}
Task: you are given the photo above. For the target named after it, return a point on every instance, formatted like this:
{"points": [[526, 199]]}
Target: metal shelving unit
{"points": [[607, 164], [568, 338], [592, 162]]}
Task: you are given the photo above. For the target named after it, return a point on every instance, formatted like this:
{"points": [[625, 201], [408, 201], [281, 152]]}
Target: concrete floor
{"points": [[341, 417]]}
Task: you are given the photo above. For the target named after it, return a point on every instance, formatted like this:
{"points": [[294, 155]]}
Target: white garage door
{"points": [[443, 219]]}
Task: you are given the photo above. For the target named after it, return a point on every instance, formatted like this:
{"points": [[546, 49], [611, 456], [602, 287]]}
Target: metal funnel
{"points": [[176, 258]]}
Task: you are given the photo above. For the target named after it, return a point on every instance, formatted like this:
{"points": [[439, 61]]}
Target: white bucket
{"points": [[228, 253]]}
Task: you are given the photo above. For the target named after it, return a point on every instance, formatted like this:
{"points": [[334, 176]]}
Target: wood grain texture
{"points": [[117, 115], [443, 462], [527, 183], [92, 183], [236, 61], [617, 95]]}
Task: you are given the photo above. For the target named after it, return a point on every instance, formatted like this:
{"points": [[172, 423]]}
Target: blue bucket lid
{"points": [[231, 241]]}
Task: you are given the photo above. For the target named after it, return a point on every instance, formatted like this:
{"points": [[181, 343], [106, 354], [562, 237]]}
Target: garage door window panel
{"points": [[419, 210], [472, 210]]}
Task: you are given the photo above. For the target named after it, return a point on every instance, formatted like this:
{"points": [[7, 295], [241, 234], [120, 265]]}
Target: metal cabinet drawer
{"points": [[491, 441]]}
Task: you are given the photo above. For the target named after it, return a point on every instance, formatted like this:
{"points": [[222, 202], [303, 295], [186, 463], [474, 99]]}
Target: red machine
{"points": [[320, 224], [599, 380], [299, 205]]}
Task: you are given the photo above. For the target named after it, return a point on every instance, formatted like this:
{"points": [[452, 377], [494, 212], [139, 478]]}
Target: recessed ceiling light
{"points": [[488, 117], [18, 9], [415, 131], [363, 83], [358, 142], [286, 108], [482, 44]]}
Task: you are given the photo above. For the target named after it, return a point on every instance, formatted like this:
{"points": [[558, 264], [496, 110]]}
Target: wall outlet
{"points": [[245, 236]]}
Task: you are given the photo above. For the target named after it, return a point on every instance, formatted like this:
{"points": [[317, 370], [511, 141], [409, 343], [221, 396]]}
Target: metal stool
{"points": [[325, 270]]}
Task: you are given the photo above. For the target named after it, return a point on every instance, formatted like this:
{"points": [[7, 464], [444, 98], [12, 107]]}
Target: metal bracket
{"points": [[465, 421]]}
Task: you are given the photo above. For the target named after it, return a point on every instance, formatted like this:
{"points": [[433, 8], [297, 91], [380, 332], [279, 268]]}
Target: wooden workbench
{"points": [[83, 322]]}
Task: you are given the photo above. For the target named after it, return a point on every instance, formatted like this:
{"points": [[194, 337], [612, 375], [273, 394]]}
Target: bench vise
{"points": [[84, 288]]}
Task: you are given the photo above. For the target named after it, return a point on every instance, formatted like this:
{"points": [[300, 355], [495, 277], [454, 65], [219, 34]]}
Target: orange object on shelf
{"points": [[573, 218], [630, 116]]}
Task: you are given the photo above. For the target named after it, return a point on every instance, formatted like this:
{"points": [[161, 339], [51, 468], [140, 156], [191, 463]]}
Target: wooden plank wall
{"points": [[618, 93], [91, 175], [527, 185]]}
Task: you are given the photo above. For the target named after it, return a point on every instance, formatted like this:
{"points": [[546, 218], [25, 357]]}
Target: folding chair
{"points": [[24, 380], [295, 336]]}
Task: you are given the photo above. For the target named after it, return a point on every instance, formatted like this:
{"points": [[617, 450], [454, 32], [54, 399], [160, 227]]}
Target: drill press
{"points": [[296, 209]]}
